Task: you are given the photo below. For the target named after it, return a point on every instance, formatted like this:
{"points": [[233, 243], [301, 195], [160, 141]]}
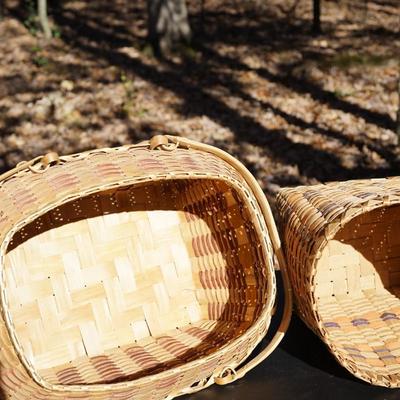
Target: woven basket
{"points": [[342, 242], [144, 271]]}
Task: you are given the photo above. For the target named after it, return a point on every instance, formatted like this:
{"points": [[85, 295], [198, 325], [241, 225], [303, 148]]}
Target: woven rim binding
{"points": [[173, 143]]}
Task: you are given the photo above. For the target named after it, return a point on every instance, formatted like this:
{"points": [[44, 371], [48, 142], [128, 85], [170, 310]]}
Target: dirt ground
{"points": [[295, 108]]}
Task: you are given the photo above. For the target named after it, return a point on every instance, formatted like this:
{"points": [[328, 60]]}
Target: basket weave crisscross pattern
{"points": [[145, 271], [342, 242]]}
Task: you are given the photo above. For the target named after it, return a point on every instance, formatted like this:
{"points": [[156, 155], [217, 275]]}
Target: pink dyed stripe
{"points": [[142, 357], [23, 197], [174, 346], [70, 376], [106, 368], [209, 338], [196, 247], [167, 382], [205, 283]]}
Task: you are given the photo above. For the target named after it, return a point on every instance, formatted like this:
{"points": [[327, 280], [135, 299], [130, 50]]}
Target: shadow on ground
{"points": [[100, 30]]}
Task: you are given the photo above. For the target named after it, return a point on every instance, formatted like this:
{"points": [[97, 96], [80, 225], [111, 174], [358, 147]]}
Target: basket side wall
{"points": [[26, 196], [310, 218]]}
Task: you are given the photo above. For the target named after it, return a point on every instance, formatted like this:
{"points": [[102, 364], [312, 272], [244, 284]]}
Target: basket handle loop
{"points": [[196, 387], [37, 165], [162, 142], [50, 159], [230, 374], [157, 141]]}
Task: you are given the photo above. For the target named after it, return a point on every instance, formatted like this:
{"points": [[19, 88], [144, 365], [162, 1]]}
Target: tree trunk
{"points": [[44, 21], [398, 111], [316, 16], [168, 25]]}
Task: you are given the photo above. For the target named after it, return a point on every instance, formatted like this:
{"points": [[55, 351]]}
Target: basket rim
{"points": [[379, 196], [263, 318], [323, 333]]}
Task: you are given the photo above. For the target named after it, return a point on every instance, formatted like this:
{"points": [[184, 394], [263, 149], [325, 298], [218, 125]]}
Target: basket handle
{"points": [[230, 374], [37, 165]]}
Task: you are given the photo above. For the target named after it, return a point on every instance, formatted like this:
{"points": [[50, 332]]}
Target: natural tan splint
{"points": [[342, 243], [136, 272]]}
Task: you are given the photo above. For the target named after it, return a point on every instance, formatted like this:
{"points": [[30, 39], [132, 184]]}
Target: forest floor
{"points": [[294, 107]]}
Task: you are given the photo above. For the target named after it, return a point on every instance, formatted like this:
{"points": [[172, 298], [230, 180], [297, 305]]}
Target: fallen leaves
{"points": [[294, 108]]}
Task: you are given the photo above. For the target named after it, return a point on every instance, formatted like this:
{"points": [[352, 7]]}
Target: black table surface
{"points": [[301, 368]]}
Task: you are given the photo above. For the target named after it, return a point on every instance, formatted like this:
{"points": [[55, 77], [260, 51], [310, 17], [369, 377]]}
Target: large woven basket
{"points": [[140, 272], [342, 242]]}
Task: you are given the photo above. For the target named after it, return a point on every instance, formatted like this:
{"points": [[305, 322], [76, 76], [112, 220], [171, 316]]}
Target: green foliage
{"points": [[56, 32], [40, 61], [129, 95], [148, 51], [342, 94], [348, 60], [129, 106], [31, 22], [36, 49], [38, 58], [187, 52]]}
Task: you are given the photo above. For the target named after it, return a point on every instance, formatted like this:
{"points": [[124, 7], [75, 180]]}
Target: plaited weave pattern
{"points": [[130, 273], [342, 242]]}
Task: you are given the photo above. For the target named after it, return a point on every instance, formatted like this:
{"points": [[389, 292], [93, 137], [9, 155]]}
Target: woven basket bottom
{"points": [[364, 334], [132, 281], [357, 295], [148, 356]]}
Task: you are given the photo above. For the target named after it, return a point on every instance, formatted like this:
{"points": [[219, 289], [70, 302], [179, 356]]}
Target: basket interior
{"points": [[357, 289], [132, 281]]}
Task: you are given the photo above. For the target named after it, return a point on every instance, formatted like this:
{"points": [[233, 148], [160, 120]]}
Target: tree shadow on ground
{"points": [[196, 101], [189, 81], [88, 31], [303, 86]]}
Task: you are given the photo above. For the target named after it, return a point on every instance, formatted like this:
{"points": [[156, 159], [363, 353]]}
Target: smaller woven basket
{"points": [[140, 272], [342, 242]]}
